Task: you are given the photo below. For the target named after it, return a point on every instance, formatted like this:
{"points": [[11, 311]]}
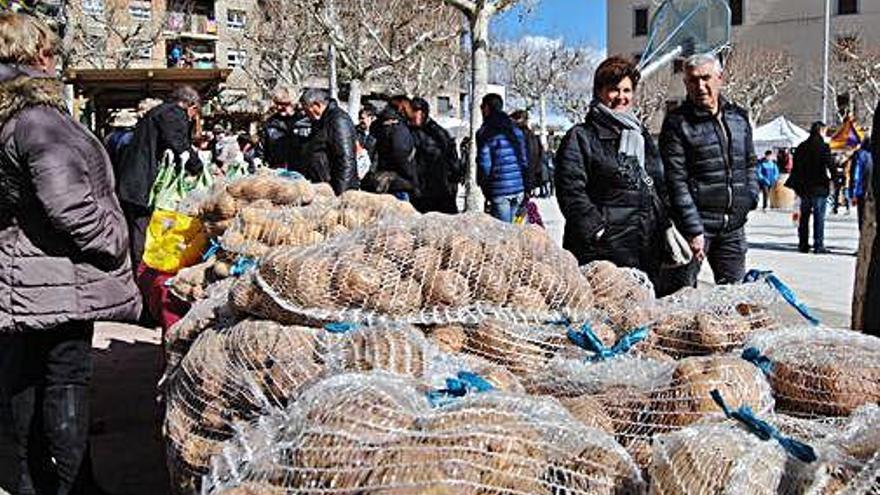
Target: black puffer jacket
{"points": [[285, 138], [331, 151], [395, 148], [599, 190], [709, 168], [813, 166], [437, 161]]}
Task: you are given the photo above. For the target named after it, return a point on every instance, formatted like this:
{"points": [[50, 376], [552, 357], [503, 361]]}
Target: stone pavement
{"points": [[823, 282]]}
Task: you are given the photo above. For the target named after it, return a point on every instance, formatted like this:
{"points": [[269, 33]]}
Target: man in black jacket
{"points": [[395, 149], [437, 162], [165, 127], [810, 179], [534, 148], [286, 132], [709, 161], [330, 155]]}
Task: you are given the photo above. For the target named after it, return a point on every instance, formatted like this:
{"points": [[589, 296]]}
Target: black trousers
{"points": [[44, 378], [138, 219], [726, 254]]}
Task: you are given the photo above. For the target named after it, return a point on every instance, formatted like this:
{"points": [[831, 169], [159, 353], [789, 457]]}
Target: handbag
{"points": [[677, 251]]}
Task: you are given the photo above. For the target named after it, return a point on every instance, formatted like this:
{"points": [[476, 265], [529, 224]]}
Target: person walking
{"points": [[709, 163], [768, 174], [285, 133], [64, 253], [165, 127], [609, 177], [861, 172], [331, 150], [437, 163], [810, 179], [839, 178], [534, 148], [502, 160], [395, 169]]}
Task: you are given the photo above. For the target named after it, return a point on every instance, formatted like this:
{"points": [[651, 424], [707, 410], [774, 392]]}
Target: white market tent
{"points": [[779, 133]]}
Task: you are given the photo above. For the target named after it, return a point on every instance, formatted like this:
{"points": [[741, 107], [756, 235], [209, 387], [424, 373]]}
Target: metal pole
{"points": [[332, 83], [827, 41]]}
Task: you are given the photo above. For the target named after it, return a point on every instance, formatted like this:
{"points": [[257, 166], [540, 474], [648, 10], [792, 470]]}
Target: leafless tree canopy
{"points": [[755, 77], [652, 98], [855, 74]]}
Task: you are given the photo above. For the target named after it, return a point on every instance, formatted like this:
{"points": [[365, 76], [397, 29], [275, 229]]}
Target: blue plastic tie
{"points": [[212, 250], [242, 265], [586, 339], [461, 385], [340, 327], [784, 290], [764, 430], [289, 174], [754, 356]]}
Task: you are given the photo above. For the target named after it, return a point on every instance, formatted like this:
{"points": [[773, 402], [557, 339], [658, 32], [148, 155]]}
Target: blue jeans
{"points": [[504, 207], [812, 205]]}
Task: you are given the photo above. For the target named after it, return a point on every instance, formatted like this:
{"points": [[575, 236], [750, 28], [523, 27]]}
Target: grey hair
{"points": [[312, 96], [281, 94], [186, 95], [701, 59]]}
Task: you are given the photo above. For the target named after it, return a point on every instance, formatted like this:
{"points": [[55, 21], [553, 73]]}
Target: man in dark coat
{"points": [[395, 149], [286, 133], [64, 259], [534, 148], [439, 168], [331, 151], [810, 179], [165, 127], [709, 161], [366, 117]]}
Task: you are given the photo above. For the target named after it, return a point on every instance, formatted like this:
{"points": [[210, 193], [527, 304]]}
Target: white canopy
{"points": [[779, 133]]}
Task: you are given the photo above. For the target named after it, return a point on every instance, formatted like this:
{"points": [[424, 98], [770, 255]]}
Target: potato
{"points": [[449, 338], [447, 288]]}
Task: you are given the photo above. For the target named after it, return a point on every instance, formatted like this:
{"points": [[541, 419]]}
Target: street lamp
{"points": [[827, 40]]}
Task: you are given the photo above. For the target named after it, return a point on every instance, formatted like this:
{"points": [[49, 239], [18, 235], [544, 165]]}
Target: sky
{"points": [[577, 21]]}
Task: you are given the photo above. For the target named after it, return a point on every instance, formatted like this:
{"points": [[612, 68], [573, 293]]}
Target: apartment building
{"points": [[795, 26]]}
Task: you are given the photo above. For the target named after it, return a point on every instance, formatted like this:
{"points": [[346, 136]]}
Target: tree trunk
{"points": [[866, 246], [354, 98], [332, 78], [474, 200], [543, 122]]}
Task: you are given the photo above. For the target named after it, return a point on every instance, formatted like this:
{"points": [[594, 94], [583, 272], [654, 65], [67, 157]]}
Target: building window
{"points": [[235, 58], [140, 11], [144, 53], [235, 19], [847, 7], [444, 105], [93, 8], [736, 12], [640, 21]]}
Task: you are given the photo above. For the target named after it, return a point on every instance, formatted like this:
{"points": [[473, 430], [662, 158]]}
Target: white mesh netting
{"points": [[377, 433], [718, 456], [624, 295], [240, 373], [637, 398], [713, 321], [818, 371], [434, 269]]}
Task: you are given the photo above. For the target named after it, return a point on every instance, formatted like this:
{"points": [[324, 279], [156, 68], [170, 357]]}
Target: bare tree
{"points": [[755, 77], [652, 97], [279, 54], [478, 13], [373, 37], [435, 69], [536, 68], [103, 34], [855, 75]]}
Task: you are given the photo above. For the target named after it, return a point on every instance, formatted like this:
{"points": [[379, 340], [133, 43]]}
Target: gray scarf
{"points": [[632, 142]]}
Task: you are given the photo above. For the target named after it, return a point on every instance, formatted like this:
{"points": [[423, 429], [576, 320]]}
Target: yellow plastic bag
{"points": [[174, 241]]}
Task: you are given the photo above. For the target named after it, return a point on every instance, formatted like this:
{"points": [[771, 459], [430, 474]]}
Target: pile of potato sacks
{"points": [[373, 350]]}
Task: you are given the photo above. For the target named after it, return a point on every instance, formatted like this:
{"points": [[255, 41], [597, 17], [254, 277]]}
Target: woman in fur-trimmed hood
{"points": [[63, 259]]}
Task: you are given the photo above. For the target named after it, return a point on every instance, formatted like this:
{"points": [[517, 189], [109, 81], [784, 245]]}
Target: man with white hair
{"points": [[709, 162]]}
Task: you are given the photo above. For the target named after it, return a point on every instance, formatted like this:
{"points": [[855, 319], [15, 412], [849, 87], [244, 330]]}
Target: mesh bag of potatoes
{"points": [[625, 295], [433, 269], [266, 190], [818, 371], [237, 374], [254, 230], [637, 398], [776, 454], [714, 321], [378, 433]]}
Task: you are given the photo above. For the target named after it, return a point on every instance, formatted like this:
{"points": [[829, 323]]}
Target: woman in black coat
{"points": [[609, 178]]}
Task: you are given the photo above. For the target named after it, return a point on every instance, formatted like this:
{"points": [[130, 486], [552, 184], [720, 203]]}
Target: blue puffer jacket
{"points": [[501, 157]]}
